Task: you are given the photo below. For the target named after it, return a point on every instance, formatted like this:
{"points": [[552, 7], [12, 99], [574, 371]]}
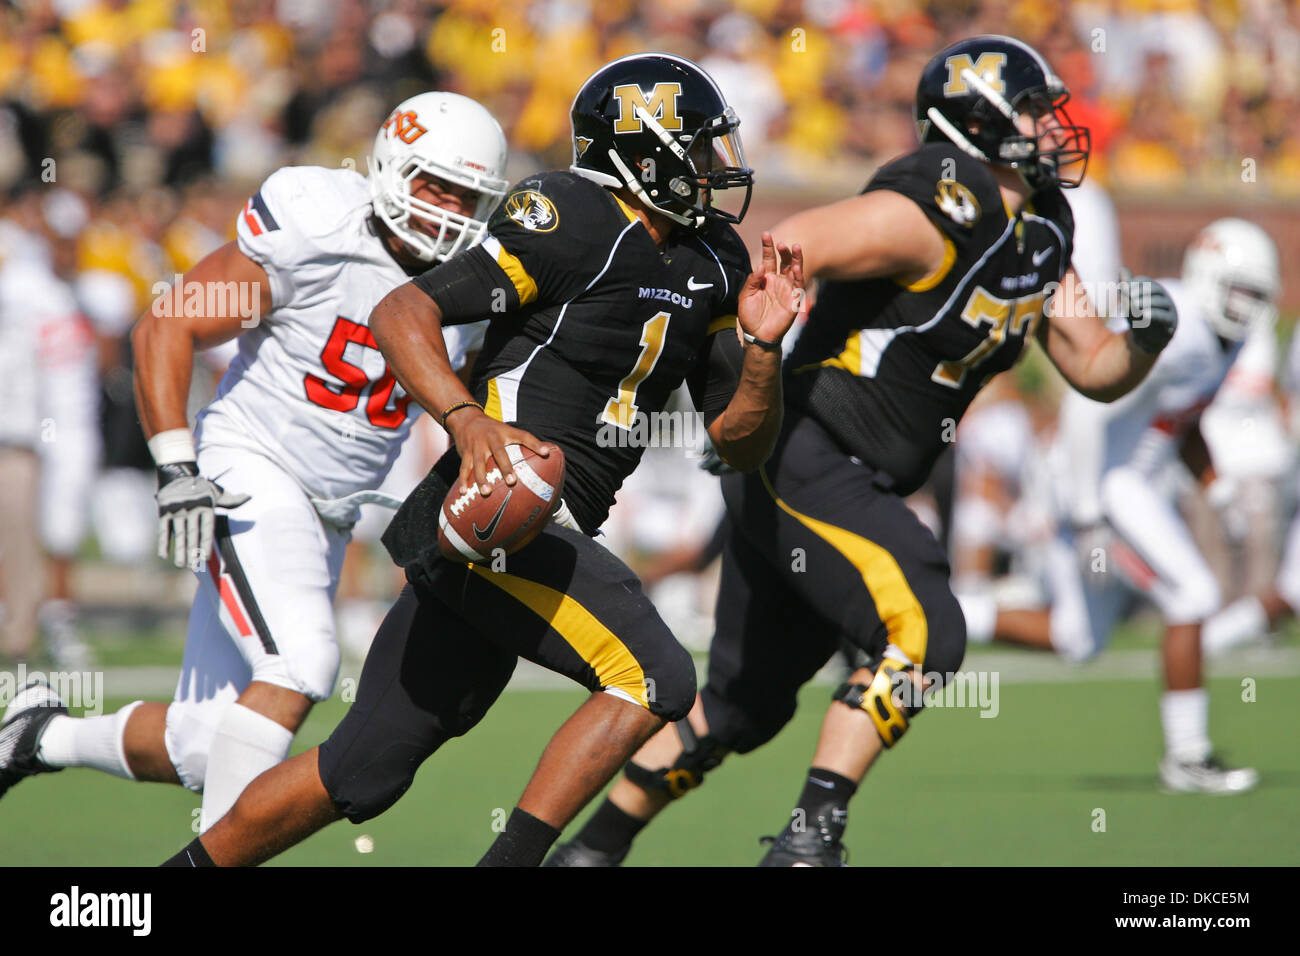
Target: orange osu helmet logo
{"points": [[405, 126]]}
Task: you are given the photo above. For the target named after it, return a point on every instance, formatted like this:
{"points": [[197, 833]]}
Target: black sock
{"points": [[826, 794], [610, 829], [523, 842], [193, 855]]}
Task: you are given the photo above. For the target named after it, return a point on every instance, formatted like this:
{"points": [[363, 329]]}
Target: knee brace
{"points": [[889, 715], [699, 755]]}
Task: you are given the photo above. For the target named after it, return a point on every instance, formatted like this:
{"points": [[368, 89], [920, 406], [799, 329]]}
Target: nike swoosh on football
{"points": [[1040, 256], [496, 519], [691, 284]]}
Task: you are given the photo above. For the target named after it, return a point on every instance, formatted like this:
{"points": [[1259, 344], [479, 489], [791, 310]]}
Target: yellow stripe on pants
{"points": [[897, 606]]}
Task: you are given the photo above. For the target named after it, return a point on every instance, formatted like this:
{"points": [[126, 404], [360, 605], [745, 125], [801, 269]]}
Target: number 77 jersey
{"points": [[890, 368], [309, 388]]}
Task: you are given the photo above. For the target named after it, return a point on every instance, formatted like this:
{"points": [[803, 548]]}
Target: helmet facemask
{"points": [[430, 233], [1237, 308], [1034, 134], [1058, 150], [710, 159]]}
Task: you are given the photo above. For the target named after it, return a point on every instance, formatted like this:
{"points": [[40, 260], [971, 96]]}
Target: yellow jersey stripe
{"points": [[926, 283], [493, 406], [720, 323], [518, 275], [897, 606], [615, 666]]}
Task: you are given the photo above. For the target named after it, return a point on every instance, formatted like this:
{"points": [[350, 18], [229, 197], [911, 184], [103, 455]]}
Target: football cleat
{"points": [[579, 854], [1205, 776], [816, 845], [20, 733]]}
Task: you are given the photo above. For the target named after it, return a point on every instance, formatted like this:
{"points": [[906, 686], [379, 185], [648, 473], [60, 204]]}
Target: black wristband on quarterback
{"points": [[457, 407], [761, 343], [177, 469]]}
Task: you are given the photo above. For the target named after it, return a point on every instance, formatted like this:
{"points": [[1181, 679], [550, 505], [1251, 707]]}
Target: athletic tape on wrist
{"points": [[172, 446]]}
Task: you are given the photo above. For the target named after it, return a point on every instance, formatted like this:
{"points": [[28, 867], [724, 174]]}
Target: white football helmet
{"points": [[448, 136], [1231, 268]]}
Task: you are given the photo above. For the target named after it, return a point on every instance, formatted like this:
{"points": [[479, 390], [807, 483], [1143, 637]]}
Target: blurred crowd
{"points": [[131, 131], [161, 93]]}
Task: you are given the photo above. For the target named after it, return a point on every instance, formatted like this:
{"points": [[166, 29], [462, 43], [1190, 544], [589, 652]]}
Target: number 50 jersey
{"points": [[889, 369], [309, 388]]}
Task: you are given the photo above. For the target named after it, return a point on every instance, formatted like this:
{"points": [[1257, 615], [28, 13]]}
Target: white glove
{"points": [[186, 519]]}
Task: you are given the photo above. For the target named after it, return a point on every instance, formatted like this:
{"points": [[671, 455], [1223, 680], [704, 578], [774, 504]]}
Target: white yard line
{"points": [[1012, 667]]}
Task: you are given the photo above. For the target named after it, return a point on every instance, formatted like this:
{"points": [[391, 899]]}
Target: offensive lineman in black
{"points": [[607, 286], [935, 276]]}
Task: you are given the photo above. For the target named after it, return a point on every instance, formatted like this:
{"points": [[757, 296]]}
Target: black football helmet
{"points": [[999, 101], [658, 124]]}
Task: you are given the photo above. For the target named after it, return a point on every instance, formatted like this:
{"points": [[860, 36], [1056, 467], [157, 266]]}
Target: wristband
{"points": [[759, 342], [458, 405], [172, 446]]}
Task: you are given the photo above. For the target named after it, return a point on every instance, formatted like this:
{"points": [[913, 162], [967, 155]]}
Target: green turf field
{"points": [[1025, 787]]}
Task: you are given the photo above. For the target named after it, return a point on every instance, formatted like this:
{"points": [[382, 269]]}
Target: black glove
{"points": [[1150, 312], [186, 519]]}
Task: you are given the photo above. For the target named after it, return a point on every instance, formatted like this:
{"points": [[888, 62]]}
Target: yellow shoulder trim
{"points": [[627, 210], [518, 275]]}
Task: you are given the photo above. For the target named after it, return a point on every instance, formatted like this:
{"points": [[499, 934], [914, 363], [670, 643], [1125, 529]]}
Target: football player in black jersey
{"points": [[607, 286], [933, 279]]}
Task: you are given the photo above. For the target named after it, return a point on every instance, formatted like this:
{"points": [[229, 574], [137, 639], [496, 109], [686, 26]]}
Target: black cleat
{"points": [[20, 733], [579, 854], [815, 845]]}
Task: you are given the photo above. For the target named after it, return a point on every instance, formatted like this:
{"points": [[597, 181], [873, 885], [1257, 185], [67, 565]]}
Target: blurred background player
{"points": [[1258, 614], [1123, 530], [307, 419]]}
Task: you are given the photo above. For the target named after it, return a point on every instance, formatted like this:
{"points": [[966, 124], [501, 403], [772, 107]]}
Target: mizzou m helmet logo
{"points": [[661, 104], [988, 68]]}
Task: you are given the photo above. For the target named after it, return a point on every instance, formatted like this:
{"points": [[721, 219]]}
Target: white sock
{"points": [[1241, 621], [981, 612], [246, 744], [95, 742], [1185, 715]]}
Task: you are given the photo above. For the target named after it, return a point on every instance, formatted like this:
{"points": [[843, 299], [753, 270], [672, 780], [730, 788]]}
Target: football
{"points": [[472, 527]]}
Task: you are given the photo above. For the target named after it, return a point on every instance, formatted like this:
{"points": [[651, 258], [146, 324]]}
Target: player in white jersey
{"points": [[1256, 615], [307, 419], [1121, 531]]}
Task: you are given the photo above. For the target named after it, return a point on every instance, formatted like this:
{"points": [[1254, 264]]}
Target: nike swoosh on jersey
{"points": [[696, 287], [496, 519], [1040, 256]]}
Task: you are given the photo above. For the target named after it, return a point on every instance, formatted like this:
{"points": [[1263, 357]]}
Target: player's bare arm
{"points": [[407, 325], [771, 298], [880, 233], [1098, 363], [164, 345]]}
